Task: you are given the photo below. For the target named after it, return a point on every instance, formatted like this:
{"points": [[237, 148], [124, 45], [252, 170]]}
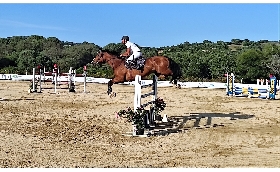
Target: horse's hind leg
{"points": [[175, 82]]}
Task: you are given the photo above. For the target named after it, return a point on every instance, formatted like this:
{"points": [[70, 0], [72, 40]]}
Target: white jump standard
{"points": [[139, 85], [71, 80], [36, 82]]}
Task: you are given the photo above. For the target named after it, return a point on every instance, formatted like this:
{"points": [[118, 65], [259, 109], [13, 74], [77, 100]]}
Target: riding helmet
{"points": [[125, 38]]}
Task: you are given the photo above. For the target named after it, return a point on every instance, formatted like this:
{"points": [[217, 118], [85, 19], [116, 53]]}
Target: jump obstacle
{"points": [[35, 81], [139, 85], [266, 82], [261, 81], [55, 74], [267, 93]]}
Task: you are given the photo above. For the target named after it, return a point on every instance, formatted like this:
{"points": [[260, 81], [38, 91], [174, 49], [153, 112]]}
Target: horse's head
{"points": [[99, 58], [104, 56]]}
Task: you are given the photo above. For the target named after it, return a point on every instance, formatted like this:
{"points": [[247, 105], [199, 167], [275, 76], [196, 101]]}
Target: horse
{"points": [[158, 65]]}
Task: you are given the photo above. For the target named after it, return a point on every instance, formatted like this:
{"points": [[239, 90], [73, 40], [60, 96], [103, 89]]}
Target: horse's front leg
{"points": [[110, 83], [110, 90]]}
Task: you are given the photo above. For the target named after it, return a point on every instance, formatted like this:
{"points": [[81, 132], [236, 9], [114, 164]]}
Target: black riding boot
{"points": [[128, 64]]}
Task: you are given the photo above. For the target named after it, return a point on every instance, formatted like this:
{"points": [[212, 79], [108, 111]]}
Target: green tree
{"points": [[119, 47], [26, 60], [251, 65]]}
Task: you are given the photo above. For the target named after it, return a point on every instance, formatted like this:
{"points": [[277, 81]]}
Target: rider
{"points": [[131, 50]]}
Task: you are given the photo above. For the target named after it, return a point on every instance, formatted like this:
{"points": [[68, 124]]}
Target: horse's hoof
{"points": [[179, 86], [113, 95]]}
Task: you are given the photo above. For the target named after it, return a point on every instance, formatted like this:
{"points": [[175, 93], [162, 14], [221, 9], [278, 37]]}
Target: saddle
{"points": [[137, 64]]}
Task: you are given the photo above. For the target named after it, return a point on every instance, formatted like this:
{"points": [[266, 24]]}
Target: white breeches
{"points": [[135, 55]]}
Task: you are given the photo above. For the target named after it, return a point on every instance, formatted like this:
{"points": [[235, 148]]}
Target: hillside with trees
{"points": [[206, 61]]}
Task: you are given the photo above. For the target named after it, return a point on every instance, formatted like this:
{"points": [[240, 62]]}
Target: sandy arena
{"points": [[81, 130]]}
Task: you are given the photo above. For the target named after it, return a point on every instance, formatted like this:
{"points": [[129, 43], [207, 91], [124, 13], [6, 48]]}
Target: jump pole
{"points": [[55, 82], [33, 81], [85, 78], [55, 70], [34, 87], [230, 90], [40, 78], [40, 81], [71, 80], [273, 89]]}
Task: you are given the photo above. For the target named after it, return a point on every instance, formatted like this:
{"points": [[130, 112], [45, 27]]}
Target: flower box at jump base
{"points": [[141, 118]]}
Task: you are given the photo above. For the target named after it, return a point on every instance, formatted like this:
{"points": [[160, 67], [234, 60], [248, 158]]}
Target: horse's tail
{"points": [[176, 70]]}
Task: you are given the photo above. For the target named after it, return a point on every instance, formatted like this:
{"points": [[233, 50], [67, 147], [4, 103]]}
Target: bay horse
{"points": [[159, 65]]}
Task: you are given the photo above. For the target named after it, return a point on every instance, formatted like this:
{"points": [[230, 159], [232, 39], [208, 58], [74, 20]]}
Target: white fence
{"points": [[210, 85]]}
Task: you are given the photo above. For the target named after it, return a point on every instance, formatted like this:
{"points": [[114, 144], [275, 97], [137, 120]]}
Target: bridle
{"points": [[100, 56]]}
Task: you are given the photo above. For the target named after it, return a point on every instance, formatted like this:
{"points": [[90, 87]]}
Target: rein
{"points": [[113, 59]]}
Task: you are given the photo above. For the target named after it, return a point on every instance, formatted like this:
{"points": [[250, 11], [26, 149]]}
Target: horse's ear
{"points": [[100, 50]]}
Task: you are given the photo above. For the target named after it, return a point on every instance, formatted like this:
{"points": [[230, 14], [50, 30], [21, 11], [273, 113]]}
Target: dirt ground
{"points": [[81, 130]]}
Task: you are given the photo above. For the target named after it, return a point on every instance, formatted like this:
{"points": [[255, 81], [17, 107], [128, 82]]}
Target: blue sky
{"points": [[152, 25]]}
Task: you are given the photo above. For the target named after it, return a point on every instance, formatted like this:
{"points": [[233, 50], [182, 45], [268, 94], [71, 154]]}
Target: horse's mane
{"points": [[111, 52]]}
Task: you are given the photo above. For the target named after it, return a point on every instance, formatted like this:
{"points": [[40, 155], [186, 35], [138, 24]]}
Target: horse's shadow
{"points": [[177, 124]]}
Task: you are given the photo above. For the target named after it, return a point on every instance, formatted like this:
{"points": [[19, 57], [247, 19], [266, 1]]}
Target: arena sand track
{"points": [[80, 130]]}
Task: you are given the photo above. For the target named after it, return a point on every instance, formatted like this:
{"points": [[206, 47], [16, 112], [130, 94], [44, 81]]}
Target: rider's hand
{"points": [[122, 56]]}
